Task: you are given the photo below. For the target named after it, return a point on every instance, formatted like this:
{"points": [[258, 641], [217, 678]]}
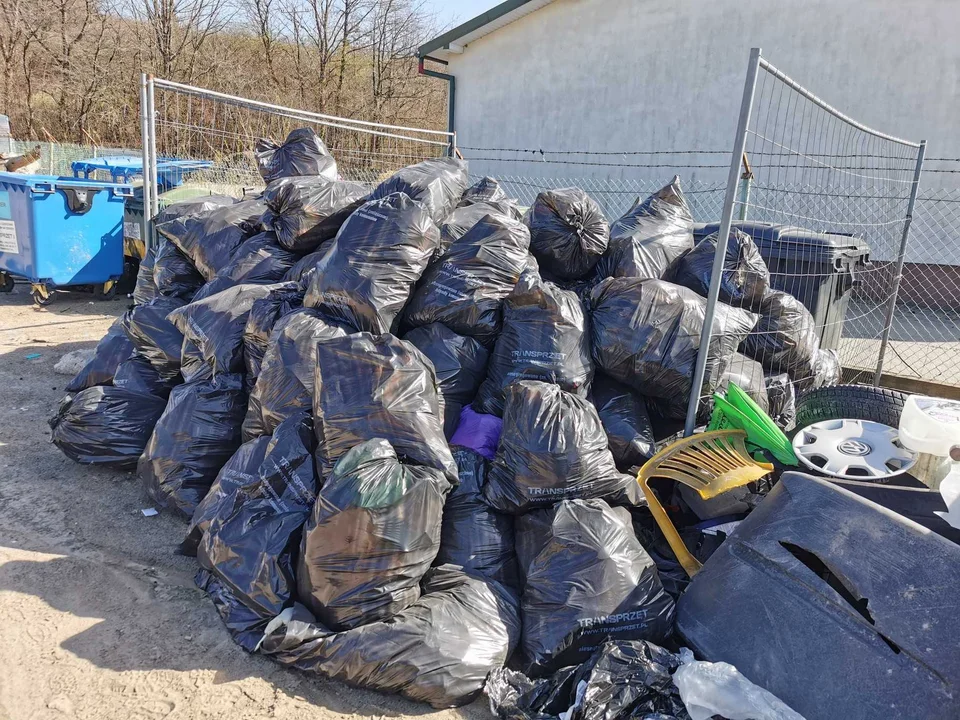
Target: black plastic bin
{"points": [[819, 269]]}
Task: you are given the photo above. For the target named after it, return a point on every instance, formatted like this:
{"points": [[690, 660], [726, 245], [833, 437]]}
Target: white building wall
{"points": [[615, 75]]}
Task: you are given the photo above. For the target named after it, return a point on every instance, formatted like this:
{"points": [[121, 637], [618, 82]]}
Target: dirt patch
{"points": [[99, 619]]}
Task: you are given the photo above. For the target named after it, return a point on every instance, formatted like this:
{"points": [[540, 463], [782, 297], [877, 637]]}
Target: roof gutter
{"points": [[451, 95]]}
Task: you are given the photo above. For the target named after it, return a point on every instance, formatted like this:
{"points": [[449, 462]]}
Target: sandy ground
{"points": [[98, 618]]}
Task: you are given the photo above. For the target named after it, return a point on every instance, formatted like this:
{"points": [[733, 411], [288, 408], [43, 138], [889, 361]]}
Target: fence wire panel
{"points": [[197, 124], [842, 194]]}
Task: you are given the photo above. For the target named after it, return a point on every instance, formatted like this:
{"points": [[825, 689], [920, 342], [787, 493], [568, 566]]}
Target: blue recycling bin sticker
{"points": [[5, 205]]}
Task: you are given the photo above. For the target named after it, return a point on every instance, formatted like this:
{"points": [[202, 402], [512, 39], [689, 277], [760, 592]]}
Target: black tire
{"points": [[102, 294], [851, 402], [6, 283], [39, 300]]}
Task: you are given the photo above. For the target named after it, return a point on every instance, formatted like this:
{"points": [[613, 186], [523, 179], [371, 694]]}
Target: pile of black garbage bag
{"points": [[404, 421]]}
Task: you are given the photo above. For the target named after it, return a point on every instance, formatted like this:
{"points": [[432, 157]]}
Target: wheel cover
{"points": [[853, 449]]}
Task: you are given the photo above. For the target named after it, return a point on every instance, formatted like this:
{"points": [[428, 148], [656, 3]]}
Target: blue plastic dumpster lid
{"points": [[132, 165], [50, 183]]}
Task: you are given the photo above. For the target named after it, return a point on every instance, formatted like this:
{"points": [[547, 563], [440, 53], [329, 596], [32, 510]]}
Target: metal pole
{"points": [[154, 190], [898, 275], [726, 221], [745, 188], [145, 145]]}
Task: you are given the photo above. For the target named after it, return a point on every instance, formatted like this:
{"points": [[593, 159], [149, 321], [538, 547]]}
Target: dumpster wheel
{"points": [[107, 291], [6, 282], [42, 296]]}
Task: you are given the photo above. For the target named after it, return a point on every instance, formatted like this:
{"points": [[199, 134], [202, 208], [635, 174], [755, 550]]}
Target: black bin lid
{"points": [[788, 242]]}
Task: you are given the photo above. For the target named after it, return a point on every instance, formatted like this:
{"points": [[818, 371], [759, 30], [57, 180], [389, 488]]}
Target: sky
{"points": [[453, 12]]}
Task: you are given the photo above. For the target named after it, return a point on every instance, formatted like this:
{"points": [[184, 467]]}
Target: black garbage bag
{"points": [[215, 327], [302, 153], [154, 336], [113, 349], [781, 399], [460, 364], [588, 581], [258, 261], [209, 238], [486, 189], [250, 548], [650, 237], [195, 436], [306, 211], [746, 374], [145, 289], [244, 624], [568, 232], [369, 272], [368, 387], [478, 432], [137, 374], [745, 280], [199, 204], [437, 184], [284, 387], [173, 273], [545, 336], [625, 420], [298, 272], [553, 447], [105, 425], [786, 338], [466, 287], [826, 371], [373, 533], [438, 651], [622, 679], [646, 334], [264, 314], [473, 536], [462, 220], [240, 472]]}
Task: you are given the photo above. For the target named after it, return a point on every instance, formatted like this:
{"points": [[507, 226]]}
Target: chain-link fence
{"points": [[57, 158]]}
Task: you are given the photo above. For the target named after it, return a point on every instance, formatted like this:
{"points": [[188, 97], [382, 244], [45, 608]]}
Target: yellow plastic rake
{"points": [[711, 463]]}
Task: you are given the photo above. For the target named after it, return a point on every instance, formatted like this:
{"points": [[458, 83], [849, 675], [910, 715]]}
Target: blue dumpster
{"points": [[60, 231], [123, 168]]}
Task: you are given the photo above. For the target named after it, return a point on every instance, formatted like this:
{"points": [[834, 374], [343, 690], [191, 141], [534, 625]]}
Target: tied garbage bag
{"points": [[299, 271], [711, 689], [478, 432], [460, 364], [306, 211], [373, 533], [249, 549], [461, 221], [154, 336], [650, 237], [258, 261], [368, 387], [486, 189], [209, 238], [745, 280], [472, 535], [240, 472], [465, 288], [826, 371], [113, 349], [623, 414], [106, 426], [302, 153], [568, 232], [173, 273], [622, 679], [137, 374], [588, 580], [285, 385], [437, 184], [367, 276], [195, 436], [781, 399], [264, 314], [438, 651], [553, 447], [145, 289], [215, 326], [545, 337], [785, 339], [646, 334]]}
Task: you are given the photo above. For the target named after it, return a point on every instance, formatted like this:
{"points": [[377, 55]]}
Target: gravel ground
{"points": [[99, 619]]}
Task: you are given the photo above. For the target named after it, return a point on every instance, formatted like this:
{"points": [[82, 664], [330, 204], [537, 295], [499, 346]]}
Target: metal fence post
{"points": [[152, 179], [145, 144], [726, 220], [898, 274]]}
